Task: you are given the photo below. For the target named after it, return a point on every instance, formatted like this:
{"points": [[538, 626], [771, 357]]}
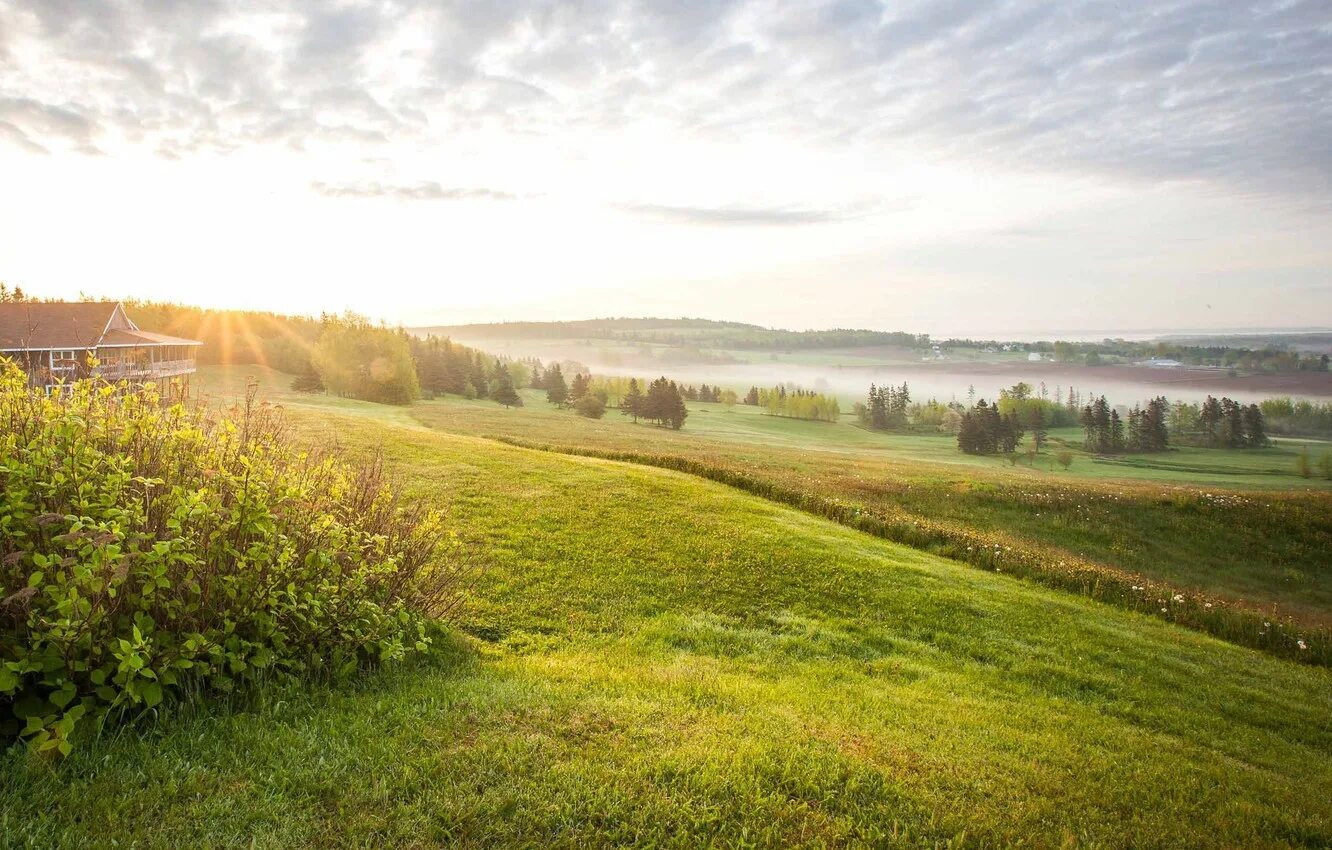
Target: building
{"points": [[1034, 357], [1162, 363], [55, 341]]}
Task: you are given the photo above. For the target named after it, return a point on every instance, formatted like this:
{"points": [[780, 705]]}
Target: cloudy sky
{"points": [[947, 166]]}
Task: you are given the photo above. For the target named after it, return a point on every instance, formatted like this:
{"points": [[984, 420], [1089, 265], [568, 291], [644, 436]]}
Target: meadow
{"points": [[653, 658], [1246, 561]]}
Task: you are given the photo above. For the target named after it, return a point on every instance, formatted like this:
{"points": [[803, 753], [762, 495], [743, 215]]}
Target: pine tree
{"points": [[1209, 417], [752, 397], [1255, 434], [308, 381], [968, 433], [504, 393], [1116, 432], [579, 387], [1135, 437], [1008, 431], [1156, 434], [632, 403], [557, 392], [678, 410], [878, 406], [657, 403]]}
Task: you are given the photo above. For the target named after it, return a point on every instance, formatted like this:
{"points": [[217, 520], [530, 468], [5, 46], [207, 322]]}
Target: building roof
{"points": [[43, 325], [120, 336]]}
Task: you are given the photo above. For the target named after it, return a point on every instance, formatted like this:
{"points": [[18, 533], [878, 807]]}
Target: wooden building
{"points": [[55, 342]]}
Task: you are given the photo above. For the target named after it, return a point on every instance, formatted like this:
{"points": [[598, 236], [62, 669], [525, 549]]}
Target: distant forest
{"points": [[1259, 353]]}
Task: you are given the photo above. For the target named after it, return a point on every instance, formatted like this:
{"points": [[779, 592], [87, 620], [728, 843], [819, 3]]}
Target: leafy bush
{"points": [[593, 407], [147, 552]]}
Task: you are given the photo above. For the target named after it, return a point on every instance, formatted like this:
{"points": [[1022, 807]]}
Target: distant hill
{"points": [[683, 331]]}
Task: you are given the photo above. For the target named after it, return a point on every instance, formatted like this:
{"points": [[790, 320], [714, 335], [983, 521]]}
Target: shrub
{"points": [[147, 552], [590, 406], [1065, 459]]}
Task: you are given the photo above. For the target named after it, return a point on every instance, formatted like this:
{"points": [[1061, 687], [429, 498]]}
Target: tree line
{"points": [[794, 403]]}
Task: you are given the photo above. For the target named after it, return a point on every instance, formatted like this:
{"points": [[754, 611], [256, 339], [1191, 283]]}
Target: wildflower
{"points": [[1164, 611], [1179, 597], [1302, 644]]}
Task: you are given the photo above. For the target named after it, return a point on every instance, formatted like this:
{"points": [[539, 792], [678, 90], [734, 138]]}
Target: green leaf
{"points": [[151, 693]]}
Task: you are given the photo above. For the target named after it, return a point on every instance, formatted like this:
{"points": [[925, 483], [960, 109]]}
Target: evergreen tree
{"points": [[1116, 432], [1255, 434], [1155, 434], [752, 397], [1209, 417], [1008, 431], [632, 402], [579, 387], [557, 392], [677, 411], [504, 392], [878, 406], [1135, 437], [657, 404], [476, 376], [308, 381]]}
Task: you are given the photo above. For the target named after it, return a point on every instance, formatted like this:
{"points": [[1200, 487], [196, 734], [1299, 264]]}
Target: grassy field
{"points": [[652, 658], [1136, 543]]}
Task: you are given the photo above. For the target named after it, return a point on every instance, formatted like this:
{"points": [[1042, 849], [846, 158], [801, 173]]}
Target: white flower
{"points": [[1179, 597], [1302, 644]]}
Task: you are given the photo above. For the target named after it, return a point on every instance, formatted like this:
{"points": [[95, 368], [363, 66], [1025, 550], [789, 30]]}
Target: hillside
{"points": [[654, 658], [677, 332]]}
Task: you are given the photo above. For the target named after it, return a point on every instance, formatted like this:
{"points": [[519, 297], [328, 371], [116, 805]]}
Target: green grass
{"points": [[1223, 548], [660, 660]]}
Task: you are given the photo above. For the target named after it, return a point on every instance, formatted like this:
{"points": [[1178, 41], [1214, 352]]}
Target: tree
{"points": [[677, 410], [579, 387], [557, 392], [590, 406], [752, 397], [1302, 465], [1116, 432], [308, 381], [632, 402], [504, 392], [359, 360], [1254, 433], [728, 398], [1036, 421], [878, 407], [664, 404]]}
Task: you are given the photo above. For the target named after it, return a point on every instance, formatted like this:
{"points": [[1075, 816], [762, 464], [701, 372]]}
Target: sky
{"points": [[949, 167]]}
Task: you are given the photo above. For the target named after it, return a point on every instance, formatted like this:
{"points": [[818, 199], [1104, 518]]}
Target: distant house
{"points": [[1162, 363], [54, 341], [1034, 357]]}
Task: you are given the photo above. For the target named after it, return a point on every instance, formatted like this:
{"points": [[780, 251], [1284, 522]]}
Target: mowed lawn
{"points": [[651, 658]]}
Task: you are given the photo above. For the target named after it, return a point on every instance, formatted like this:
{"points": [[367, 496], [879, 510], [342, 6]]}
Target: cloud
{"points": [[1238, 94], [733, 215], [426, 191]]}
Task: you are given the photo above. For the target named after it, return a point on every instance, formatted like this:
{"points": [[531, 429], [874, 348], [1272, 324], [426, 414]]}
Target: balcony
{"points": [[143, 371], [112, 372]]}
